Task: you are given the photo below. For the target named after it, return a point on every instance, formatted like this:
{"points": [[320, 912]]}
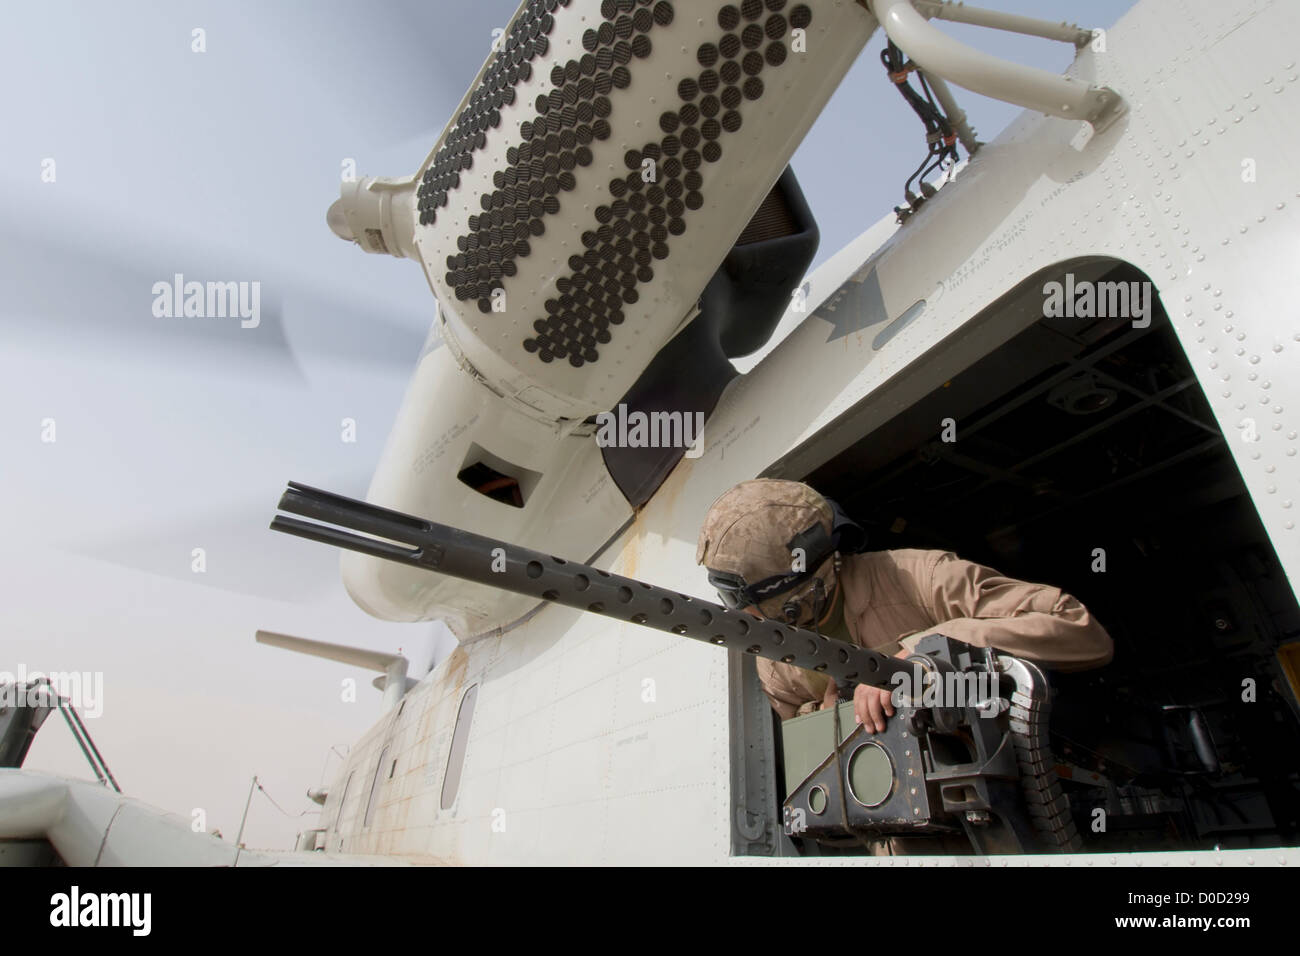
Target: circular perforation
{"points": [[525, 41], [556, 141], [650, 202]]}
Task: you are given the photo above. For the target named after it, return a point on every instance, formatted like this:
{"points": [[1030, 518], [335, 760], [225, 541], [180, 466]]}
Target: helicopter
{"points": [[1064, 353]]}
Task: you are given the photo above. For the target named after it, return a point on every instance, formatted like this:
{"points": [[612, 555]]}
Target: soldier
{"points": [[779, 550]]}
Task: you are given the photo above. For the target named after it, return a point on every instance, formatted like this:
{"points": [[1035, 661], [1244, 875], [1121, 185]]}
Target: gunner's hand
{"points": [[871, 705]]}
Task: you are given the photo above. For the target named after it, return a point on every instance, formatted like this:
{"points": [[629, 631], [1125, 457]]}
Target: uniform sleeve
{"points": [[790, 689], [976, 604]]}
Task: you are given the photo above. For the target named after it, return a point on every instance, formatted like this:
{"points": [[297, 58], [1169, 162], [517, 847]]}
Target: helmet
{"points": [[770, 544]]}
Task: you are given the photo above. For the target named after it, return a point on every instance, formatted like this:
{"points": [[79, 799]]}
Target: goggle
{"points": [[736, 594], [815, 544]]}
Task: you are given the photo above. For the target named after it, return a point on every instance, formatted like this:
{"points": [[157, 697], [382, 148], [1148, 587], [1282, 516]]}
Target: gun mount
{"points": [[965, 753]]}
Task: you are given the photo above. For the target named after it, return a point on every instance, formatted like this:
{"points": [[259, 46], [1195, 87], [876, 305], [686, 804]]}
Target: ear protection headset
{"points": [[803, 609]]}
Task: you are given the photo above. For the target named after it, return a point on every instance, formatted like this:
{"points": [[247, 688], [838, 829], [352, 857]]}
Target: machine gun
{"points": [[978, 765]]}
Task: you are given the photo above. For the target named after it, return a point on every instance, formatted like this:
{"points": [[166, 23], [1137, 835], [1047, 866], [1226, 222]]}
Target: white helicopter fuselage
{"points": [[590, 741]]}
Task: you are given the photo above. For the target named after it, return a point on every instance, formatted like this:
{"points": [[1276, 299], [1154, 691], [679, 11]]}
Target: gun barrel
{"points": [[472, 557]]}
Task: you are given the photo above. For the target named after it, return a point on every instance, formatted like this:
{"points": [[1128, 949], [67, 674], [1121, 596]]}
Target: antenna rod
{"points": [[80, 731], [471, 557], [239, 837]]}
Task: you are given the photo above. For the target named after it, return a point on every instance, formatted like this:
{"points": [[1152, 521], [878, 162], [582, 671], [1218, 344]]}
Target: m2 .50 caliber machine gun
{"points": [[966, 751]]}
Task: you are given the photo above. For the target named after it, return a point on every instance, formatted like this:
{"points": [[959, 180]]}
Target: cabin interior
{"points": [[1080, 442]]}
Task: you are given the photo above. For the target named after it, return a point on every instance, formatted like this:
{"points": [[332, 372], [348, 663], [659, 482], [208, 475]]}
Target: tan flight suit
{"points": [[892, 595]]}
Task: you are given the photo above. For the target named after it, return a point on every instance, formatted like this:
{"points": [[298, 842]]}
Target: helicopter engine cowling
{"points": [[601, 167]]}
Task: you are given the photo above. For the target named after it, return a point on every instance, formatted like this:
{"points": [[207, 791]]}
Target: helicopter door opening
{"points": [[1083, 454]]}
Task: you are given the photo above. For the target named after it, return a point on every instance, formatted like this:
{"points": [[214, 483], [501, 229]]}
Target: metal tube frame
{"points": [[940, 55], [1070, 33]]}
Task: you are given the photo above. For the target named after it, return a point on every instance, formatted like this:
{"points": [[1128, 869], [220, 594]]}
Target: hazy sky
{"points": [[173, 434]]}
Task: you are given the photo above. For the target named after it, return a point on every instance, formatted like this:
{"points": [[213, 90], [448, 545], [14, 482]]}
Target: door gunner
{"points": [[779, 550]]}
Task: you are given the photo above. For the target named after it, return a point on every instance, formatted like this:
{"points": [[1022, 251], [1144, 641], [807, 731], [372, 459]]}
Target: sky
{"points": [[144, 455]]}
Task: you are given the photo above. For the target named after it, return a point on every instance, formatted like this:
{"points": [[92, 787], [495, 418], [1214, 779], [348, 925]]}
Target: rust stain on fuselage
{"points": [[626, 563], [664, 501], [456, 665]]}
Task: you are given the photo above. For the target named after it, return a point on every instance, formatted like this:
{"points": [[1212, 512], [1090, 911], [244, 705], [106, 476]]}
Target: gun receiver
{"points": [[472, 557]]}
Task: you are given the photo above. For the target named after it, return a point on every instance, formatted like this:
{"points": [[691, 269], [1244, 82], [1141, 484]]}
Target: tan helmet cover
{"points": [[748, 529]]}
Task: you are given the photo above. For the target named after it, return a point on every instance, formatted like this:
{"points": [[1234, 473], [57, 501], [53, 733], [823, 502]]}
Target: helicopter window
{"points": [[374, 788], [343, 802], [459, 741]]}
